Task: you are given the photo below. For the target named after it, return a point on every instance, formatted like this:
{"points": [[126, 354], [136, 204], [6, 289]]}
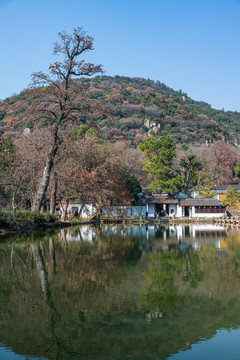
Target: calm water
{"points": [[120, 293]]}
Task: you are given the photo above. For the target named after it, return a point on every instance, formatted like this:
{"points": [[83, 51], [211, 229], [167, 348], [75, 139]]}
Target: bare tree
{"points": [[91, 172], [226, 158], [21, 168], [59, 96]]}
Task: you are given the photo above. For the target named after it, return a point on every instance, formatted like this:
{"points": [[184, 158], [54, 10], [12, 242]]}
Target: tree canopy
{"points": [[189, 169], [159, 155], [232, 197], [205, 192]]}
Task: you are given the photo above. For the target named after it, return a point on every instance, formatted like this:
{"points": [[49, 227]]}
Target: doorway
{"points": [[186, 213]]}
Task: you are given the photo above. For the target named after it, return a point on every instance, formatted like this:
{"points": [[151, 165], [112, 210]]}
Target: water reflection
{"points": [[114, 292], [196, 235]]}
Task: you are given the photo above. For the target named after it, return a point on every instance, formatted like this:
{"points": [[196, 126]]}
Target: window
{"points": [[209, 209]]}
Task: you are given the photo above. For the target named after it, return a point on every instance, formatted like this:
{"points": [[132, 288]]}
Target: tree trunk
{"points": [[186, 189], [97, 215], [81, 209], [65, 210], [13, 202], [53, 195], [42, 189]]}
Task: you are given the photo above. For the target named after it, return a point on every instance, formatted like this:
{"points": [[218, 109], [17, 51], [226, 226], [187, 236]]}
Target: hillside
{"points": [[139, 107]]}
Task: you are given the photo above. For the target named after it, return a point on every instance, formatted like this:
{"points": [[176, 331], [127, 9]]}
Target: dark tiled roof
{"points": [[184, 202], [224, 187], [161, 200], [201, 202]]}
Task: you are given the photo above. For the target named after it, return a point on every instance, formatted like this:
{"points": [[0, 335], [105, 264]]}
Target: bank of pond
{"points": [[26, 220]]}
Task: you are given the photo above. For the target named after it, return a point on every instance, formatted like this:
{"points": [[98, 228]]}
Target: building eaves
{"points": [[201, 202], [161, 200]]}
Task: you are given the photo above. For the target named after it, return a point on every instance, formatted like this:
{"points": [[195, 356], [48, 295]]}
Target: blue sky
{"points": [[191, 45]]}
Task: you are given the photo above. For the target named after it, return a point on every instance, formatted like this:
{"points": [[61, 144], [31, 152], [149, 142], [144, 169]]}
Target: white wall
{"points": [[173, 208], [179, 211], [206, 215], [87, 211], [151, 209]]}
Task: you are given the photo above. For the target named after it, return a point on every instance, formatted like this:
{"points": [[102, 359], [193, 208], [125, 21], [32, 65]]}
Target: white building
{"points": [[157, 206], [189, 207]]}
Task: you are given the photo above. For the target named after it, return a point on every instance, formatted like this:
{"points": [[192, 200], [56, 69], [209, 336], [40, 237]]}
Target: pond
{"points": [[121, 292]]}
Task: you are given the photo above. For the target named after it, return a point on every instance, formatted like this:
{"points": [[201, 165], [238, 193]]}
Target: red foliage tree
{"points": [[90, 171], [224, 159]]}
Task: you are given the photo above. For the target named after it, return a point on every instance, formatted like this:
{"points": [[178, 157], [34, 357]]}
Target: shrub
{"points": [[26, 219]]}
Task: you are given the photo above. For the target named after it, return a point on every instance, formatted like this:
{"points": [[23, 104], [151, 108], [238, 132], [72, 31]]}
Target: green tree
{"points": [[237, 169], [190, 167], [159, 156], [84, 130], [205, 192], [132, 185], [6, 152], [232, 197]]}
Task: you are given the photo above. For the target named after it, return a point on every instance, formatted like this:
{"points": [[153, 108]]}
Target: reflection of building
{"points": [[207, 230], [154, 237], [181, 232], [83, 233]]}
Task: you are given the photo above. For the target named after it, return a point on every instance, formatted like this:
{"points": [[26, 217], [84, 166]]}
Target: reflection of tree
{"points": [[193, 272], [163, 278], [52, 255], [161, 291], [40, 265], [232, 245], [56, 343], [65, 289], [15, 254]]}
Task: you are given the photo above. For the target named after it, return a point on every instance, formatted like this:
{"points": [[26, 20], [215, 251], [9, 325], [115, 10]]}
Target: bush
{"points": [[4, 219], [26, 219]]}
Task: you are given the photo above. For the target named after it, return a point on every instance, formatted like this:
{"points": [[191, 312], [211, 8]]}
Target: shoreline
{"points": [[126, 221], [58, 225]]}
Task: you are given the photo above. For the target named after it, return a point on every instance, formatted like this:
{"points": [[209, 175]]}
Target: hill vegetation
{"points": [[138, 108]]}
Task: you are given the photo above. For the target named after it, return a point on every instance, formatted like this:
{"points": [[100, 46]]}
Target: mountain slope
{"points": [[139, 108]]}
